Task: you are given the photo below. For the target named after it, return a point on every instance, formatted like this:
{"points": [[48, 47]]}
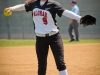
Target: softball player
{"points": [[47, 33]]}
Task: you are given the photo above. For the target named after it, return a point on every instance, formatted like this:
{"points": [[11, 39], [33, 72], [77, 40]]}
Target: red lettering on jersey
{"points": [[45, 15], [41, 13], [45, 20], [34, 14], [38, 12]]}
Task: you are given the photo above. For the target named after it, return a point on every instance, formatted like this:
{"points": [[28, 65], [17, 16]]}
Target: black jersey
{"points": [[44, 16]]}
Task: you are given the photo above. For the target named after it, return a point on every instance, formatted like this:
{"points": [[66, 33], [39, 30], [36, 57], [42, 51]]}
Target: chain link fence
{"points": [[20, 24]]}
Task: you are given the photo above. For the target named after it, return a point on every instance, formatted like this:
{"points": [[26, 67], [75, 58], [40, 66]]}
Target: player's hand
{"points": [[7, 10], [28, 1]]}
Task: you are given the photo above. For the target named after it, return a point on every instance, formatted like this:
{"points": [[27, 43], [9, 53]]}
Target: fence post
{"points": [[8, 27]]}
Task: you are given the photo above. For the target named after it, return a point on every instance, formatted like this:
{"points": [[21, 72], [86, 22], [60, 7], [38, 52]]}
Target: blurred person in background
{"points": [[73, 24]]}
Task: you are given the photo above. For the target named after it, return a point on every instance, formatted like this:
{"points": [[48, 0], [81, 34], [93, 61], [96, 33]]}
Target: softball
{"points": [[7, 14]]}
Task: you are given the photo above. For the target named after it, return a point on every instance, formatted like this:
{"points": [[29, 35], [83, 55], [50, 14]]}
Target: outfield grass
{"points": [[4, 43]]}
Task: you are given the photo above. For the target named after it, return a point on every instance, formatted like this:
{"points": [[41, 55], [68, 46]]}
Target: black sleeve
{"points": [[29, 7], [58, 9]]}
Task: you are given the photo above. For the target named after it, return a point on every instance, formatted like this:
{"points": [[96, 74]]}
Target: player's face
{"points": [[72, 4]]}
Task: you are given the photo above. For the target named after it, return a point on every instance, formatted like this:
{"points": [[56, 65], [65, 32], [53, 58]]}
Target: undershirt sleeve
{"points": [[18, 7], [71, 15]]}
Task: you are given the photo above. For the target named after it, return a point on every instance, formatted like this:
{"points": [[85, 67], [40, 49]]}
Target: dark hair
{"points": [[73, 2]]}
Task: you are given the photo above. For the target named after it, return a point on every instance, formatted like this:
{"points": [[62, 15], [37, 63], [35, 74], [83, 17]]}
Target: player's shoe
{"points": [[72, 40]]}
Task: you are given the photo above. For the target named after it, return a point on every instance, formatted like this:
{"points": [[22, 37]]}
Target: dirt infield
{"points": [[81, 59]]}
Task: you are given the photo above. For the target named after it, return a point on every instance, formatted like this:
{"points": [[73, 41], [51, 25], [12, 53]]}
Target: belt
{"points": [[45, 35]]}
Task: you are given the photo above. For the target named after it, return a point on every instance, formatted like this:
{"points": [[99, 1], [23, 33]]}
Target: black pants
{"points": [[42, 47]]}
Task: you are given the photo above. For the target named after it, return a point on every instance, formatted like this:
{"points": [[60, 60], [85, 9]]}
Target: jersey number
{"points": [[45, 20]]}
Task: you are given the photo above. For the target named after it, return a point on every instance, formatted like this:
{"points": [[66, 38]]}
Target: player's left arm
{"points": [[71, 15], [83, 20]]}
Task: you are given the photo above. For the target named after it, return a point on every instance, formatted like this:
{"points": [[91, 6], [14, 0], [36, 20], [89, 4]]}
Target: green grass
{"points": [[4, 43], [17, 43], [82, 41]]}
